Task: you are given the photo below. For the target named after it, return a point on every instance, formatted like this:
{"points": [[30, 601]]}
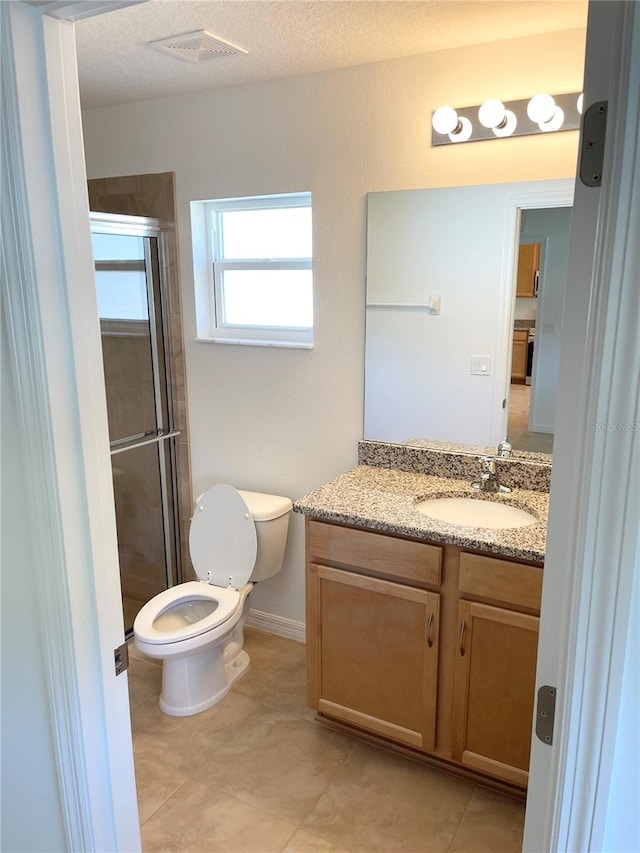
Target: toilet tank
{"points": [[270, 515]]}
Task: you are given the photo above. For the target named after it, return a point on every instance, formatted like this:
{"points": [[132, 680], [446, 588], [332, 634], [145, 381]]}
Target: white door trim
{"points": [[50, 304], [557, 193], [592, 543]]}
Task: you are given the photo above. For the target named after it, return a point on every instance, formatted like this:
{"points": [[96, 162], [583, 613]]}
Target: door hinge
{"points": [[121, 658], [545, 714], [594, 133]]}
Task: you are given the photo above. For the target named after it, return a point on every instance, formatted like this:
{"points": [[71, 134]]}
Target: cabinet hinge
{"points": [[545, 714], [121, 658], [594, 134]]}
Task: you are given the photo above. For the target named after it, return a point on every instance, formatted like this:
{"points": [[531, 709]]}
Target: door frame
{"points": [[593, 546], [55, 356]]}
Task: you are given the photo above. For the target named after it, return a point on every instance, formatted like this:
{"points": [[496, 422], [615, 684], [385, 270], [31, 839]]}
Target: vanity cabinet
{"points": [[519, 355], [378, 654], [372, 643], [428, 646], [528, 269], [495, 665]]}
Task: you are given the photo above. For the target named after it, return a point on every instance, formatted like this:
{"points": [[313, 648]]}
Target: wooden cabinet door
{"points": [[528, 269], [494, 690], [373, 653], [519, 356]]}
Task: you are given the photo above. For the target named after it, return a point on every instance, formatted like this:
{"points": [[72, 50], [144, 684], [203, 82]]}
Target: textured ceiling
{"points": [[289, 37]]}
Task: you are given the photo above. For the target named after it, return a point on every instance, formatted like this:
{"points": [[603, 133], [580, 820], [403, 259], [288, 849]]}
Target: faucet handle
{"points": [[488, 464], [505, 448], [489, 481]]}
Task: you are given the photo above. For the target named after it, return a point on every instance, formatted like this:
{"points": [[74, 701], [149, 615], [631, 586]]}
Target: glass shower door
{"points": [[130, 307]]}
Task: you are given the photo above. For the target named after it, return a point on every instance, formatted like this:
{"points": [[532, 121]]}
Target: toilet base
{"points": [[236, 668], [193, 682]]}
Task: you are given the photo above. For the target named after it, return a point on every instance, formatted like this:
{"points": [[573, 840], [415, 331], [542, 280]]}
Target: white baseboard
{"points": [[272, 624], [546, 428]]}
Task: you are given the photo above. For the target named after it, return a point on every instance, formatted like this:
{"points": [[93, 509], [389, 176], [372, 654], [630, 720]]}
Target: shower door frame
{"points": [[155, 265]]}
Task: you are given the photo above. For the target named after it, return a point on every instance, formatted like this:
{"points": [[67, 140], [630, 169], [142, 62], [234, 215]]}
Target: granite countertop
{"points": [[524, 324], [383, 499]]}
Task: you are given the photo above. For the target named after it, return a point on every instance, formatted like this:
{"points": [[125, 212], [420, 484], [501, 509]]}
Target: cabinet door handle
{"points": [[463, 626], [430, 630]]}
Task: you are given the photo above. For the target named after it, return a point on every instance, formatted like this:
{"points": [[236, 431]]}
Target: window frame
{"points": [[257, 335]]}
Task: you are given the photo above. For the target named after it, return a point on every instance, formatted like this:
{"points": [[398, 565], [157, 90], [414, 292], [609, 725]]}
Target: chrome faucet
{"points": [[489, 481], [505, 448]]}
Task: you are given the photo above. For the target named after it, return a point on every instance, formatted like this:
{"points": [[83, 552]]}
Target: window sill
{"points": [[257, 342]]}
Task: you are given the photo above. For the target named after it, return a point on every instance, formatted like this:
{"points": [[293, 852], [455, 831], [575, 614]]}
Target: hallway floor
{"points": [[255, 773], [518, 429]]}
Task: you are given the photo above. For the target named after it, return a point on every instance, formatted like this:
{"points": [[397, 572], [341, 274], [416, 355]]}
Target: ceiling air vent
{"points": [[196, 46]]}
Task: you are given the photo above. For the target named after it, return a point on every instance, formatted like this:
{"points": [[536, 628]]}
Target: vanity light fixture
{"points": [[543, 113], [446, 120], [494, 115], [541, 108]]}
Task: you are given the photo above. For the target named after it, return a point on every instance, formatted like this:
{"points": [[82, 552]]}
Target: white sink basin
{"points": [[472, 512]]}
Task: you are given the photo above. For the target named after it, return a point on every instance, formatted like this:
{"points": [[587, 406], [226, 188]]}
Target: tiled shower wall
{"points": [[154, 196]]}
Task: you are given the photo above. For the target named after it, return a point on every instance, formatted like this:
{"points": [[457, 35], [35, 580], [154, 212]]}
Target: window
{"points": [[121, 282], [258, 265]]}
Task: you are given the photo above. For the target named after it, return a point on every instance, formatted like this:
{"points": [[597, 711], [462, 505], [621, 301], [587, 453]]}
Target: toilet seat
{"points": [[223, 543], [227, 600]]}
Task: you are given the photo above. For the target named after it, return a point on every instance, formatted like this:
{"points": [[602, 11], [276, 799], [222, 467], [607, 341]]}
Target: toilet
{"points": [[196, 628]]}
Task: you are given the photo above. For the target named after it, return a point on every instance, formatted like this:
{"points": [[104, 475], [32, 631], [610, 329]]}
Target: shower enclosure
{"points": [[133, 322]]}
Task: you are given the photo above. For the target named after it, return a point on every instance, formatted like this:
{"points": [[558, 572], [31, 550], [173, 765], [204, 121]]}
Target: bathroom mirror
{"points": [[441, 310]]}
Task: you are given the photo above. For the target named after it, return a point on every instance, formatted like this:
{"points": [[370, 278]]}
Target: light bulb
{"points": [[580, 103], [554, 123], [540, 108], [491, 113], [508, 125], [464, 133], [445, 120]]}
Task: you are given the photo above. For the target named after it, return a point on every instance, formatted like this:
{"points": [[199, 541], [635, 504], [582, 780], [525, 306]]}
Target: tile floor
{"points": [[255, 773]]}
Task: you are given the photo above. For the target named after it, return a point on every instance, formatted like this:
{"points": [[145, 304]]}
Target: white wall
{"points": [[31, 808], [286, 420]]}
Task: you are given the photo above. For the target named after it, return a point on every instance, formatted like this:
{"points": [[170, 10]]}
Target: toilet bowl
{"points": [[236, 538]]}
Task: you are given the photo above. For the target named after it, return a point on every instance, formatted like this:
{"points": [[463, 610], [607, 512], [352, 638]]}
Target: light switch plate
{"points": [[481, 365]]}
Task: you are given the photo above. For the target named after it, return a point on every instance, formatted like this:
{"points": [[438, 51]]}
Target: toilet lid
{"points": [[222, 538]]}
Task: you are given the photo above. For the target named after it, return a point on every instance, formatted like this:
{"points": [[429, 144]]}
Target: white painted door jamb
{"points": [[49, 301], [592, 546]]}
